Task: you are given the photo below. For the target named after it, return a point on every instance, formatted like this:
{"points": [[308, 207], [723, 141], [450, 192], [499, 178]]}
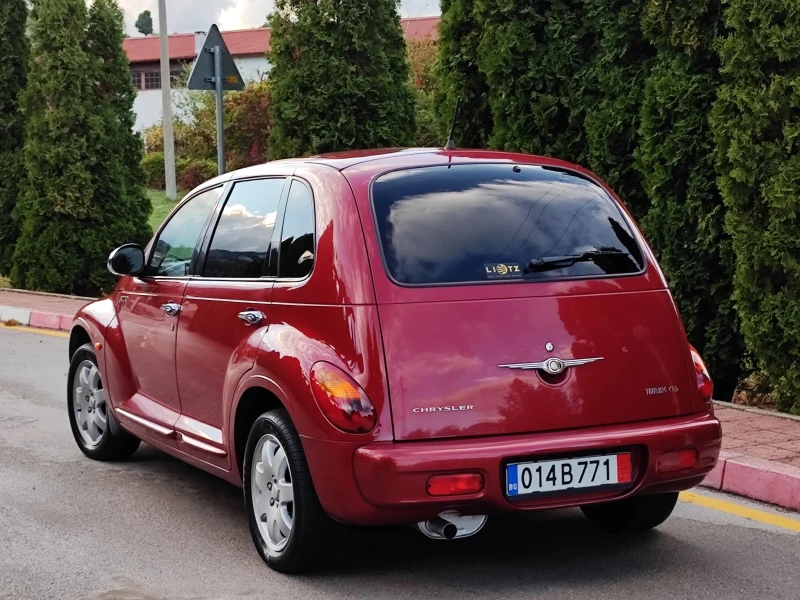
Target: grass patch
{"points": [[162, 206], [4, 283]]}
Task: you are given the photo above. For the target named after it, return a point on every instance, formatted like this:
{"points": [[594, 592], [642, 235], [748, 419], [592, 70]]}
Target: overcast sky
{"points": [[185, 16]]}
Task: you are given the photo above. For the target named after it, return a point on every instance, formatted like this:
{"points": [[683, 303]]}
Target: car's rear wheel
{"points": [[89, 416], [287, 522], [638, 513]]}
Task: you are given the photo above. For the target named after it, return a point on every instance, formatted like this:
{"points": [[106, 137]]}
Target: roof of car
{"points": [[384, 159]]}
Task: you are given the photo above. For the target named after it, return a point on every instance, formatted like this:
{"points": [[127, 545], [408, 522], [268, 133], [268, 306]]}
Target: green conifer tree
{"points": [[756, 123], [339, 78], [676, 158], [13, 73], [531, 54], [461, 78], [79, 200], [614, 82]]}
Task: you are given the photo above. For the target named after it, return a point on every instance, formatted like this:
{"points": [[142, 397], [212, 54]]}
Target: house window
{"points": [[152, 80]]}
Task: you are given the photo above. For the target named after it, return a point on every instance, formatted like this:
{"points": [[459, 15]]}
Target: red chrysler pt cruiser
{"points": [[402, 336]]}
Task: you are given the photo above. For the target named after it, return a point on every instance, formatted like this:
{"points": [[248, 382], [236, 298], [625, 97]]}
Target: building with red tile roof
{"points": [[248, 47]]}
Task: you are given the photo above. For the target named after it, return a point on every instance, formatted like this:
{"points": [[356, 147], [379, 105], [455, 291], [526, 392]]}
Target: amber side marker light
{"points": [[456, 484], [677, 461], [341, 400], [704, 383]]}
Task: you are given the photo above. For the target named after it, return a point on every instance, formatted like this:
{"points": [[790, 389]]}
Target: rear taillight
{"points": [[341, 400], [704, 383]]}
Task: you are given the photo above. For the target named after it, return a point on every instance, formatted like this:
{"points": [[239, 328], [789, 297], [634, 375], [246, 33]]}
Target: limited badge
{"points": [[502, 271]]}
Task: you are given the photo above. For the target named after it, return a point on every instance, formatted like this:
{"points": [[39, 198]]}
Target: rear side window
{"points": [[242, 237], [297, 239], [478, 223]]}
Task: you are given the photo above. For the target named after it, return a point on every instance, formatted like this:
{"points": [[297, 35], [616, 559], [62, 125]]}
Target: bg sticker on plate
{"points": [[502, 271]]}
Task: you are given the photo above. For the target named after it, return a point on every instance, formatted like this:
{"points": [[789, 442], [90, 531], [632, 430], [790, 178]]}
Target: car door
{"points": [[148, 310], [224, 314]]}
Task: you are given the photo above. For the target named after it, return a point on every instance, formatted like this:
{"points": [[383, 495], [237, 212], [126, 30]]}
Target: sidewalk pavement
{"points": [[760, 455], [760, 449], [48, 311]]}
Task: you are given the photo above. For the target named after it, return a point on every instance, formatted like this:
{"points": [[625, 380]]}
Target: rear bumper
{"points": [[384, 483]]}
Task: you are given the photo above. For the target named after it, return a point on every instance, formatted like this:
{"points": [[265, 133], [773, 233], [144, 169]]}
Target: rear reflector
{"points": [[624, 474], [677, 461], [457, 484]]}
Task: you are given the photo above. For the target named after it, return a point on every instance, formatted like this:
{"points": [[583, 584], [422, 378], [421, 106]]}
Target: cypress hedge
{"points": [[756, 123], [614, 83], [530, 53], [339, 78], [79, 199], [461, 77], [676, 157], [13, 72], [120, 206]]}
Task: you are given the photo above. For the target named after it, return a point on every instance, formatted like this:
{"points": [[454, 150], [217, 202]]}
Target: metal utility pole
{"points": [[166, 104]]}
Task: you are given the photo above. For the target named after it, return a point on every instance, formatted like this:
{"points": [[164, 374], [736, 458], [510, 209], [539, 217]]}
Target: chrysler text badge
{"points": [[553, 366]]}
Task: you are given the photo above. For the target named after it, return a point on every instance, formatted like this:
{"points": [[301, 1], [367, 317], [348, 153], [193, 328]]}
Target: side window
{"points": [[176, 246], [297, 239], [242, 237]]}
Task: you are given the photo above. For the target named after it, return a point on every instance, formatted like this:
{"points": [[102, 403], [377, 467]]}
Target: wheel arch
{"points": [[253, 403], [77, 338]]}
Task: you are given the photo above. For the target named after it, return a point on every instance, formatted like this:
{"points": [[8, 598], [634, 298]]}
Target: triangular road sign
{"points": [[202, 77]]}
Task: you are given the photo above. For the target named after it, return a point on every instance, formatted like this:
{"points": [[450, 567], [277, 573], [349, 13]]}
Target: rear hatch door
{"points": [[475, 345]]}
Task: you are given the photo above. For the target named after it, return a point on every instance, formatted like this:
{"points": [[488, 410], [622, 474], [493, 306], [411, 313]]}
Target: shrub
{"points": [[422, 55], [13, 73], [685, 222], [756, 122], [340, 77], [191, 172], [154, 170], [461, 77]]}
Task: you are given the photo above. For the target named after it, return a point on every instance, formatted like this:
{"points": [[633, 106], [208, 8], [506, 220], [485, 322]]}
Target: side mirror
{"points": [[126, 260]]}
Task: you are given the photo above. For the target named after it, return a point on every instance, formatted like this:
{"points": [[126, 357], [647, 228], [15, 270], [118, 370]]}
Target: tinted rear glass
{"points": [[475, 223]]}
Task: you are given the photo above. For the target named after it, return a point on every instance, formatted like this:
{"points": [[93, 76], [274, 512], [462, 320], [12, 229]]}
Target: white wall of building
{"points": [[147, 105]]}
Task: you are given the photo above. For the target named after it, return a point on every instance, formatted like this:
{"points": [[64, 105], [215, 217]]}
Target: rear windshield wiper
{"points": [[548, 263]]}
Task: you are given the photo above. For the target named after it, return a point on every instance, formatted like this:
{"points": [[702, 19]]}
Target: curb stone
{"points": [[34, 318]]}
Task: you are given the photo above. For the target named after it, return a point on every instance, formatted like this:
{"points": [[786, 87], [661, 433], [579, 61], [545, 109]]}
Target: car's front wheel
{"points": [[287, 522], [638, 513], [89, 416]]}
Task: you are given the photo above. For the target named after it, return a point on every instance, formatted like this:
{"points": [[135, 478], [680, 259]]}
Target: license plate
{"points": [[567, 474]]}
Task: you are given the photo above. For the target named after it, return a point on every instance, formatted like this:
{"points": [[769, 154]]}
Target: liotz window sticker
{"points": [[502, 271]]}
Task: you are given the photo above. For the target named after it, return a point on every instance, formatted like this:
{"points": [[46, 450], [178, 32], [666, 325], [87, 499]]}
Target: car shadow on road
{"points": [[539, 549]]}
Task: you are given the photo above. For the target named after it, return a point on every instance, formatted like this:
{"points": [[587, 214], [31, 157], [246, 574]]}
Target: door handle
{"points": [[171, 309], [252, 317]]}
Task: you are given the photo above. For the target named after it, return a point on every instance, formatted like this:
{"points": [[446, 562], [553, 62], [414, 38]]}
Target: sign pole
{"points": [[220, 108]]}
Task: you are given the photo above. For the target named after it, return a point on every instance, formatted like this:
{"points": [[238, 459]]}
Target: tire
{"points": [[89, 417], [635, 514], [265, 496]]}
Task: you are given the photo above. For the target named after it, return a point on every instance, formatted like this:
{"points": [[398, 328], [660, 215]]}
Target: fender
{"points": [[93, 319], [287, 354]]}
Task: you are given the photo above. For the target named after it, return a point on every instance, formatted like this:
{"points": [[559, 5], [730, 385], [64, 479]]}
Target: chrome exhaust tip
{"points": [[443, 528], [450, 525]]}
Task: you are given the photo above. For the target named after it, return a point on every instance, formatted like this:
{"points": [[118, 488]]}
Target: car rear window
{"points": [[481, 223]]}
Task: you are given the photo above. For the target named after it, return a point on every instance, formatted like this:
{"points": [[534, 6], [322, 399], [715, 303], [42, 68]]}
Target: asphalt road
{"points": [[154, 528]]}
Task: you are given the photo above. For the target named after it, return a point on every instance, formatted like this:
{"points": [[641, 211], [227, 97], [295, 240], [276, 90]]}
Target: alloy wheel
{"points": [[272, 493], [89, 404]]}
